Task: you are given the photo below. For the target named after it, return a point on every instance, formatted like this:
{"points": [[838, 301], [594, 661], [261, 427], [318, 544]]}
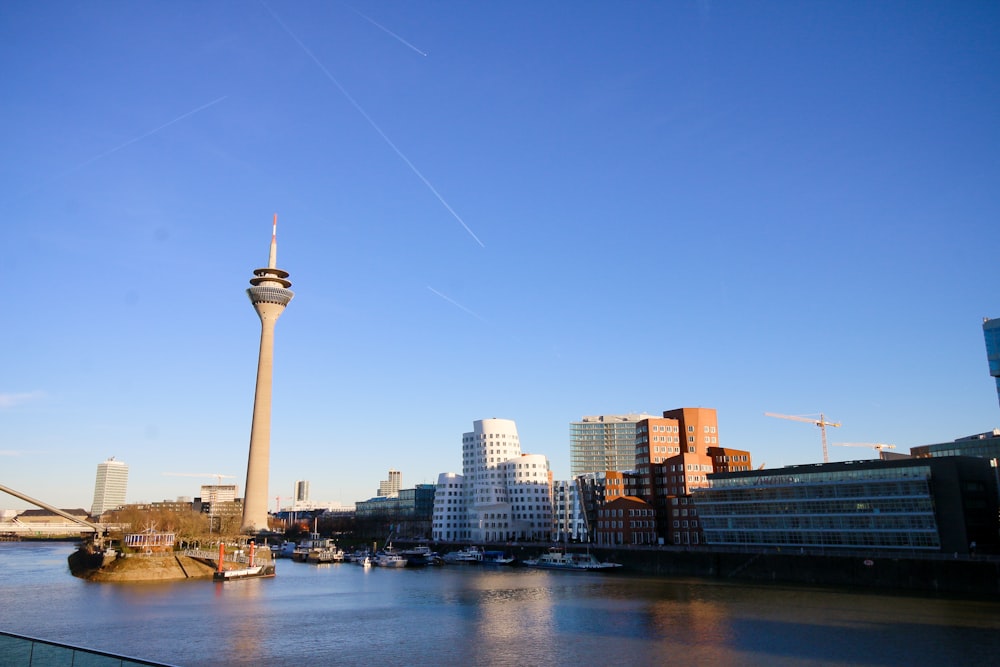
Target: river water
{"points": [[346, 615]]}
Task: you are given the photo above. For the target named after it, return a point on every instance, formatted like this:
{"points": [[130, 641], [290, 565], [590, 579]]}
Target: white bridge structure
{"points": [[71, 525]]}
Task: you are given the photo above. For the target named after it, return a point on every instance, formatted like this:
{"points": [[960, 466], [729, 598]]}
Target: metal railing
{"points": [[24, 651]]}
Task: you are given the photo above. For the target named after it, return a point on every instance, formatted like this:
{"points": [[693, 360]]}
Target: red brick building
{"points": [[626, 520]]}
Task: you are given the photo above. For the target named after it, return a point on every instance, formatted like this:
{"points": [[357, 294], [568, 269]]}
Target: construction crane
{"points": [[877, 446], [821, 422], [217, 476]]}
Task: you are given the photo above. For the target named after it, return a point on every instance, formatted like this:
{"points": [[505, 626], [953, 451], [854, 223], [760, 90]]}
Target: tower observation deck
{"points": [[269, 295]]}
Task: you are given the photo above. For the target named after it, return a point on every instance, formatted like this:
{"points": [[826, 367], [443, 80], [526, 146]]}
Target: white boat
{"points": [[466, 555], [389, 559], [317, 549], [364, 561], [301, 551], [559, 559], [250, 568], [325, 551], [498, 558], [245, 573]]}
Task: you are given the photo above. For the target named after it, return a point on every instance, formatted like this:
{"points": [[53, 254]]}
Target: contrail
{"points": [[14, 400], [456, 304], [143, 136], [382, 27], [374, 125]]}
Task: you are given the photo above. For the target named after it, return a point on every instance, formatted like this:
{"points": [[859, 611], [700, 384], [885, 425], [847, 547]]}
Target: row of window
{"points": [[472, 437], [873, 489], [864, 506], [833, 477], [633, 525], [907, 539], [843, 522]]}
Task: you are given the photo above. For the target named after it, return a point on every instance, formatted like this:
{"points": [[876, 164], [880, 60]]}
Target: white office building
{"points": [[109, 489], [449, 521], [389, 488], [504, 494]]}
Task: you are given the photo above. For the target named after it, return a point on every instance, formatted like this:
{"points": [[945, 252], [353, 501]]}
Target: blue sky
{"points": [[534, 211]]}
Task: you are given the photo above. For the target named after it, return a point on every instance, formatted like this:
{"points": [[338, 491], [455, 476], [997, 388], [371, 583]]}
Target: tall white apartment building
{"points": [[301, 494], [109, 489], [504, 495]]}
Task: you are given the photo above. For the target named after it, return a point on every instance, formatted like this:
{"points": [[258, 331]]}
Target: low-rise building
{"points": [[408, 514], [625, 520], [946, 504]]}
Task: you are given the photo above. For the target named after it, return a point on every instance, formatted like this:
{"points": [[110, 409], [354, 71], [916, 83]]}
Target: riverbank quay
{"points": [[977, 576], [935, 573]]}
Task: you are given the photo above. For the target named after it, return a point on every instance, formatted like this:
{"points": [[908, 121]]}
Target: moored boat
{"points": [[470, 554], [498, 558], [244, 573], [317, 549], [389, 559], [419, 556], [251, 566], [284, 550], [327, 552], [560, 559]]}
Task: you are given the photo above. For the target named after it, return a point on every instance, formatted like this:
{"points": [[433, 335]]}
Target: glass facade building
{"points": [[984, 445], [602, 443], [941, 504], [991, 330]]}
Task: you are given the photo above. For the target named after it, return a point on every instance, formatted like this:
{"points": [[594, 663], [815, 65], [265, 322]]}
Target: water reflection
{"points": [[513, 619], [343, 614]]}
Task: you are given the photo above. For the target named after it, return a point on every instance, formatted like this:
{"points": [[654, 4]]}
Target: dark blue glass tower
{"points": [[991, 329]]}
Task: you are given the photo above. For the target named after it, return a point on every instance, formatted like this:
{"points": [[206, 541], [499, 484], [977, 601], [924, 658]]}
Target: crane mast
{"points": [[821, 422]]}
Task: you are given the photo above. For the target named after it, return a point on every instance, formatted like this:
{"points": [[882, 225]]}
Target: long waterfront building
{"points": [[945, 504]]}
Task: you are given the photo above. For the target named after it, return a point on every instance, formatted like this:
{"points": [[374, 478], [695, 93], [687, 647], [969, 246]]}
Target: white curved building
{"points": [[505, 495], [449, 522]]}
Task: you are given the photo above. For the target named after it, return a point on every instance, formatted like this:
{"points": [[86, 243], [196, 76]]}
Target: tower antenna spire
{"points": [[272, 261]]}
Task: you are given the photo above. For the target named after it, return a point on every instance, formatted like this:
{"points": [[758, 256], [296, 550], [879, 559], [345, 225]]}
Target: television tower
{"points": [[269, 295]]}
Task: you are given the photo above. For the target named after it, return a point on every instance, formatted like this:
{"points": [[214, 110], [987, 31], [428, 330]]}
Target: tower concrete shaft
{"points": [[269, 295]]}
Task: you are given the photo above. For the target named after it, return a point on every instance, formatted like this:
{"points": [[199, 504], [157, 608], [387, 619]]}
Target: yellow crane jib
{"points": [[810, 419]]}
